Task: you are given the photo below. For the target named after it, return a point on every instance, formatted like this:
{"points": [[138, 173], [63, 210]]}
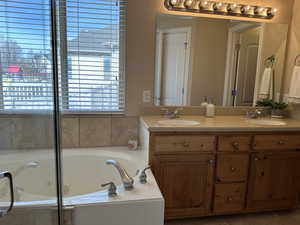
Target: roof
{"points": [[14, 69], [98, 41]]}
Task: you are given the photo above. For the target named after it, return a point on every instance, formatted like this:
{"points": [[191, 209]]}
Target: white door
{"points": [[247, 66], [174, 67]]}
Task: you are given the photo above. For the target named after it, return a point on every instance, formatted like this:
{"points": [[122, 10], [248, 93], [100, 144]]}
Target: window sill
{"points": [[48, 114]]}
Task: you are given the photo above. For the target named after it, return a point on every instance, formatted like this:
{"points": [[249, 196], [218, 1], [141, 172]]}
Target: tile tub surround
{"points": [[218, 123], [36, 132]]}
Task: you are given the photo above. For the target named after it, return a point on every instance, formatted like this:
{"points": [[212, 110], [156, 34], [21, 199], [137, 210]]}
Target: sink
{"points": [[267, 122], [178, 122]]}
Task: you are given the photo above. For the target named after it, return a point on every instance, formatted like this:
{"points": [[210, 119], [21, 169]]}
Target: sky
{"points": [[28, 21]]}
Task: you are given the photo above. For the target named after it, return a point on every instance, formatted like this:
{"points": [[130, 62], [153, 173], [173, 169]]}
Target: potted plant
{"points": [[277, 108]]}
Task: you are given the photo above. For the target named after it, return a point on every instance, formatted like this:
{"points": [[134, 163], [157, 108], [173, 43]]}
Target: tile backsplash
{"points": [[77, 131]]}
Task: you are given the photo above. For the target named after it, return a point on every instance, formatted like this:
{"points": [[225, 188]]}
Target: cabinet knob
{"points": [[256, 159], [233, 169], [235, 145], [186, 144], [211, 161], [281, 142], [230, 199]]}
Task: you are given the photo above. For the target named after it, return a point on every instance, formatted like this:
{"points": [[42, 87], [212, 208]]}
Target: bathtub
{"points": [[85, 201]]}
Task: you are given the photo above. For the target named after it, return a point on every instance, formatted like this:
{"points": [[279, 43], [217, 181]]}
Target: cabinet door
{"points": [[272, 183], [186, 183]]}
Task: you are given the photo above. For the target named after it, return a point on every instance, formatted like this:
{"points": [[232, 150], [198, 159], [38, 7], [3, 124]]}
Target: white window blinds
{"points": [[25, 56], [93, 63], [91, 55]]}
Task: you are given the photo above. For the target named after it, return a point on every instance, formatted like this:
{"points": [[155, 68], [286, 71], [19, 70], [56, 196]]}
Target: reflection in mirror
{"points": [[231, 63]]}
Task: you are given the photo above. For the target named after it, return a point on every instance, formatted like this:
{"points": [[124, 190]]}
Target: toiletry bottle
{"points": [[132, 140], [204, 102], [210, 109]]}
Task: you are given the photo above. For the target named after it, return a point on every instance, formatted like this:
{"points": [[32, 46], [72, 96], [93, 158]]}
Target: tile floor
{"points": [[271, 218]]}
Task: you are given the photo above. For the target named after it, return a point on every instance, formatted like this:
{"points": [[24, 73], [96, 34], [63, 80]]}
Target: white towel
{"points": [[266, 85], [294, 94]]}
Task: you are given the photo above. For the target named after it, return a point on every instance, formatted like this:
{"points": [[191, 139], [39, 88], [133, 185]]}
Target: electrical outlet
{"points": [[146, 96]]}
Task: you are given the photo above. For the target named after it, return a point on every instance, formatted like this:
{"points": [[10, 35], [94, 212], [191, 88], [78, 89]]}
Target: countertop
{"points": [[218, 124]]}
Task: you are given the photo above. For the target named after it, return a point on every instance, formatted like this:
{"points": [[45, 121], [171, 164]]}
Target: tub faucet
{"points": [[28, 165], [126, 179]]}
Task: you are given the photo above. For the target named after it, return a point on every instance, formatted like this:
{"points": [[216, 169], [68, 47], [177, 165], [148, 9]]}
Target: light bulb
{"points": [[272, 12], [174, 2], [188, 3]]}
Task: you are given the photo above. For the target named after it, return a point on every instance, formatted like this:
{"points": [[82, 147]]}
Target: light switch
{"points": [[146, 96]]}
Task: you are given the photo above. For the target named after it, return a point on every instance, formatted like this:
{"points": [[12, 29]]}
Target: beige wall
{"points": [[37, 132], [293, 46], [141, 42]]}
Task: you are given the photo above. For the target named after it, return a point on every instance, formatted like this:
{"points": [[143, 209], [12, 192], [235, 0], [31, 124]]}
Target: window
{"points": [[91, 55]]}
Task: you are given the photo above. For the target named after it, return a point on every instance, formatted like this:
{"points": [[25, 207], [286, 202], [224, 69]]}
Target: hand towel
{"points": [[294, 93], [266, 86]]}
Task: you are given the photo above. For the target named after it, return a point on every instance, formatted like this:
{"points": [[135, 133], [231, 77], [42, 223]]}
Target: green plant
{"points": [[271, 104], [279, 105], [264, 103]]}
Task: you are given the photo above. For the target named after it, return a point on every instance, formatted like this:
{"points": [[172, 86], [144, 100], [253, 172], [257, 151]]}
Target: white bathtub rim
{"points": [[100, 196]]}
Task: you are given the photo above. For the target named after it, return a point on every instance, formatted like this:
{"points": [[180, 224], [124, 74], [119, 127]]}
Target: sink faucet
{"points": [[171, 114], [126, 179], [253, 114]]}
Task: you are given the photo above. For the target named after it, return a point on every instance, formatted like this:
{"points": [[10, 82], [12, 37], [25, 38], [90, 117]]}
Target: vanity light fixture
{"points": [[221, 8]]}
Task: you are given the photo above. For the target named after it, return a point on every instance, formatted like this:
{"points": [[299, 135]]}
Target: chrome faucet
{"points": [[171, 114], [253, 114], [126, 179]]}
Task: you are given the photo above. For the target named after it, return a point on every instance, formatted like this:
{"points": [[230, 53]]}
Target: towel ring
{"points": [[297, 61], [269, 62]]}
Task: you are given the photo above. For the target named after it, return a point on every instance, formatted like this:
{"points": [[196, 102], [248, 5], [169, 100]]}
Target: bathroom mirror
{"points": [[234, 63]]}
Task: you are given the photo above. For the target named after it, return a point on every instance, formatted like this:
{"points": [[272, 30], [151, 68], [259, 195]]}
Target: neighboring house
{"points": [[93, 81], [93, 71]]}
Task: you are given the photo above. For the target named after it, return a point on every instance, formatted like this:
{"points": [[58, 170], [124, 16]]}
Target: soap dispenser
{"points": [[210, 109], [204, 102]]}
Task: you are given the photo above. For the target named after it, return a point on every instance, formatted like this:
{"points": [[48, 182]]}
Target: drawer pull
{"points": [[235, 145], [229, 199], [186, 144], [233, 169], [281, 142]]}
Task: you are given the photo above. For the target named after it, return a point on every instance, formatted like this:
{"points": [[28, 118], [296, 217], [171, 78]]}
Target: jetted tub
{"points": [[84, 170]]}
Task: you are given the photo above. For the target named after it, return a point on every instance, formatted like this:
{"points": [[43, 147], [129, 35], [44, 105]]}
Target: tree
{"points": [[10, 54]]}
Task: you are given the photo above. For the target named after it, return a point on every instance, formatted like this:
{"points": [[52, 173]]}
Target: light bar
{"points": [[221, 8]]}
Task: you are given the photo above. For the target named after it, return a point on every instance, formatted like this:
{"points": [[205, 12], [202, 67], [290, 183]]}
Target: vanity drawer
{"points": [[232, 168], [276, 142], [234, 143], [184, 143], [229, 197]]}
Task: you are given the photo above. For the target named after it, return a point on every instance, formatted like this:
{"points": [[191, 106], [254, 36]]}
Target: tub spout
{"points": [[26, 166], [126, 179]]}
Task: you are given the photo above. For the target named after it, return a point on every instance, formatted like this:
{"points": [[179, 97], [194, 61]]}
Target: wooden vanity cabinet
{"points": [[225, 173], [272, 180], [186, 182]]}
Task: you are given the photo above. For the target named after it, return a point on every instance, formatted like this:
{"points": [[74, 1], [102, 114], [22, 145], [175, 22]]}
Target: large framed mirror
{"points": [[228, 62]]}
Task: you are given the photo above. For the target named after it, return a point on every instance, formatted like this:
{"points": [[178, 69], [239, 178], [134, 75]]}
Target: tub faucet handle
{"points": [[143, 176], [112, 189]]}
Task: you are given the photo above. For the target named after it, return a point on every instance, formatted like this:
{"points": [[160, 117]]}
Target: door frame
{"points": [[158, 62], [231, 60]]}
